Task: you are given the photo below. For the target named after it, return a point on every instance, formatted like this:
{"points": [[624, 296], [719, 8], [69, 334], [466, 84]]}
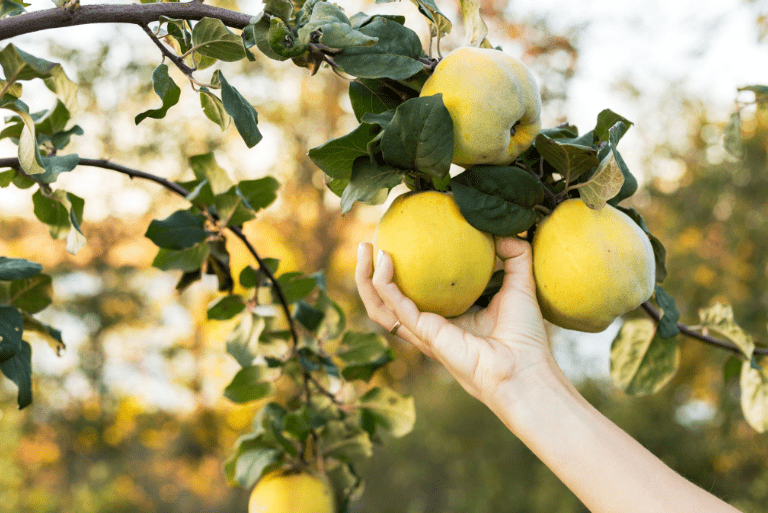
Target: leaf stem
{"points": [[178, 61]]}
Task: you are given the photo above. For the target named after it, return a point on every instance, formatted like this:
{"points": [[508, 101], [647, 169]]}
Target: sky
{"points": [[699, 49]]}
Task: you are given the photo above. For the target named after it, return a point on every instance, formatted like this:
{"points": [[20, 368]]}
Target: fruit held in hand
{"points": [[590, 266], [494, 102], [441, 262], [283, 491]]}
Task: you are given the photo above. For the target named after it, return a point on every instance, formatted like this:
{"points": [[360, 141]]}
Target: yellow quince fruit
{"points": [[591, 266], [283, 491], [441, 262], [494, 102]]}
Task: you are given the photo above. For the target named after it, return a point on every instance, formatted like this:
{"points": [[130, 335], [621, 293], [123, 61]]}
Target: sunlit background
{"points": [[131, 416]]}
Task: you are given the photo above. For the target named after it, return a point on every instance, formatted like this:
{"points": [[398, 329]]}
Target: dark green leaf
{"points": [[332, 28], [667, 327], [259, 193], [19, 370], [36, 329], [19, 65], [242, 112], [166, 89], [11, 330], [253, 459], [368, 178], [605, 121], [12, 8], [6, 177], [226, 308], [180, 230], [569, 160], [731, 369], [308, 316], [364, 354], [372, 96], [630, 182], [188, 260], [420, 136], [18, 268], [497, 199], [295, 286], [32, 294], [337, 156], [395, 55], [258, 34], [248, 278], [564, 131], [212, 39], [248, 385], [56, 165]]}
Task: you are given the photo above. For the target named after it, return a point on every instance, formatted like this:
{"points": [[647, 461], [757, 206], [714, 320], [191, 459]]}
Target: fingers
{"points": [[378, 311], [517, 257]]}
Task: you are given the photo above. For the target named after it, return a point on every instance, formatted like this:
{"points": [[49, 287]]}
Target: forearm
{"points": [[607, 469]]}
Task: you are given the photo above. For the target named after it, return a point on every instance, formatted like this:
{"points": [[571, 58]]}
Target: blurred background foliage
{"points": [[131, 417]]}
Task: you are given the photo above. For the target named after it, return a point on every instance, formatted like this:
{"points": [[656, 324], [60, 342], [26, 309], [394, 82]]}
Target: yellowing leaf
{"points": [[641, 362], [475, 29], [719, 318], [754, 395], [604, 184]]}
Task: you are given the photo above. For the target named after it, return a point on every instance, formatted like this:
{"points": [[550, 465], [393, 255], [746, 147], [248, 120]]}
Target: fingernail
{"points": [[379, 257], [360, 251]]}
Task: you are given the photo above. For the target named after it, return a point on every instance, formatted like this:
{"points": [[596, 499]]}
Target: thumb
{"points": [[518, 263]]}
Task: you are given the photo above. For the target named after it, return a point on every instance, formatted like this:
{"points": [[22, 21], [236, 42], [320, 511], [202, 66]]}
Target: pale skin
{"points": [[501, 355]]}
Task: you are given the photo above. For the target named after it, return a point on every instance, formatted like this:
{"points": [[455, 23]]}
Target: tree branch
{"points": [[178, 61], [13, 163], [137, 14], [687, 331]]}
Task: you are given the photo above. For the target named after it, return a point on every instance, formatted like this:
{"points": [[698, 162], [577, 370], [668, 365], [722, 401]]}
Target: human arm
{"points": [[501, 356]]}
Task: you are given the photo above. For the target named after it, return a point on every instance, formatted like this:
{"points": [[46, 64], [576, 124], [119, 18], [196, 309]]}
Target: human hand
{"points": [[483, 348]]}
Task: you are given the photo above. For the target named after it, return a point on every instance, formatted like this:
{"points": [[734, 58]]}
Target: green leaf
{"points": [[630, 182], [180, 230], [29, 154], [570, 160], [604, 184], [18, 268], [249, 385], [62, 212], [754, 395], [257, 34], [367, 179], [259, 193], [333, 28], [283, 9], [308, 316], [253, 457], [420, 137], [6, 177], [57, 165], [166, 89], [62, 87], [497, 199], [282, 41], [211, 38], [372, 96], [12, 8], [335, 320], [336, 157], [205, 167], [242, 112], [439, 23], [19, 370], [214, 109], [395, 55], [364, 354], [641, 362], [226, 308], [605, 121], [295, 286], [32, 294], [667, 327], [19, 65], [394, 412], [187, 260], [243, 343], [11, 330], [345, 444], [719, 318]]}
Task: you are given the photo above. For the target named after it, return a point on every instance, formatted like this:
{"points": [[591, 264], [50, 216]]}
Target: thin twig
{"points": [[689, 332], [178, 61], [13, 163]]}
